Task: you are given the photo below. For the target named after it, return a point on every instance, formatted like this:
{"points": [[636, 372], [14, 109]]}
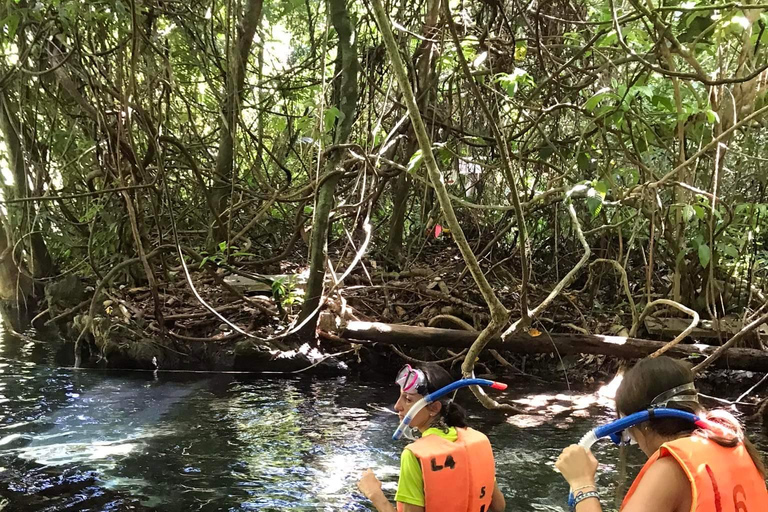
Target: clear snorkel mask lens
{"points": [[622, 438]]}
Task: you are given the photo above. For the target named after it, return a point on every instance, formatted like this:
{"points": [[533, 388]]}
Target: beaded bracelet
{"points": [[583, 496]]}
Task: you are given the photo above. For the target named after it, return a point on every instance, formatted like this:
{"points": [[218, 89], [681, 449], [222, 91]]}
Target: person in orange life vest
{"points": [[689, 470], [450, 468]]}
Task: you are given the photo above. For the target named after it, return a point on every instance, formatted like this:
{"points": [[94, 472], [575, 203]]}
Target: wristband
{"points": [[581, 496]]}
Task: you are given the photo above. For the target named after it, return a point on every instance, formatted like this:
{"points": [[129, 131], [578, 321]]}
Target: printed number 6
{"points": [[739, 504]]}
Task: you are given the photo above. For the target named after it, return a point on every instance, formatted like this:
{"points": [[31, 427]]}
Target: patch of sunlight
{"points": [[359, 325], [10, 438], [312, 353], [277, 49], [741, 20], [12, 57], [56, 179], [16, 425], [609, 390], [5, 170], [615, 340], [527, 421], [66, 453], [336, 470], [165, 28], [560, 402]]}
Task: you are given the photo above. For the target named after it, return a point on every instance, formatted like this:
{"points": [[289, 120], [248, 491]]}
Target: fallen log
{"points": [[617, 346]]}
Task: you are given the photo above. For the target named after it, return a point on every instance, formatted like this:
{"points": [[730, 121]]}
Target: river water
{"points": [[112, 441]]}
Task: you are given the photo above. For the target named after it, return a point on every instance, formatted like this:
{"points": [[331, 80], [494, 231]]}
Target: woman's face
{"points": [[404, 404]]}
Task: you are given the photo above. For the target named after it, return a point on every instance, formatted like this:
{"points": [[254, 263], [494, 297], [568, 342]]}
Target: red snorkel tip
{"points": [[499, 386]]}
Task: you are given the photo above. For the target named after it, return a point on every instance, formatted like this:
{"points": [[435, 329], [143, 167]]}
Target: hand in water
{"points": [[577, 465], [369, 485]]}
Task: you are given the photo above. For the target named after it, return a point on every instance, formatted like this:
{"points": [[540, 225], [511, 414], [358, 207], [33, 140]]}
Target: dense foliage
{"points": [[124, 119]]}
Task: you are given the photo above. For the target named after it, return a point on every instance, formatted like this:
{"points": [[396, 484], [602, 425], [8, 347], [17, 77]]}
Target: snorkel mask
{"points": [[413, 381]]}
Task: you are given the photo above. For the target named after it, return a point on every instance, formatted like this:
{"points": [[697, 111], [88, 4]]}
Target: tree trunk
{"points": [[346, 94], [400, 189], [15, 286], [523, 343], [40, 262], [425, 70], [231, 113]]}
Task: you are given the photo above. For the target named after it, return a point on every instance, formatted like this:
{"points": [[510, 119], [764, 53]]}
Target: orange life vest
{"points": [[459, 476], [722, 479]]}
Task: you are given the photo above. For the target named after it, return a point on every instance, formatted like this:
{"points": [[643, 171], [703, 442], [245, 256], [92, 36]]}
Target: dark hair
{"points": [[651, 377], [437, 377]]}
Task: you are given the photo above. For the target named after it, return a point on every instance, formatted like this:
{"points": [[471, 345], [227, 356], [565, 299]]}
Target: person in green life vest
{"points": [[450, 468]]}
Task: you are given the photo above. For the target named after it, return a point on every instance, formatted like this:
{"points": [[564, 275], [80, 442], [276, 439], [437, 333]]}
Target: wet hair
{"points": [[651, 377], [452, 414]]}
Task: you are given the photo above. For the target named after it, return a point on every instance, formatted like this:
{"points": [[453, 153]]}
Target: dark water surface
{"points": [[91, 440]]}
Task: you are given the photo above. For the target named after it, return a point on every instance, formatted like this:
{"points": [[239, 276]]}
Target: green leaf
{"points": [[583, 161], [330, 117], [595, 205], [729, 250], [643, 90], [700, 213], [521, 49], [704, 255], [664, 103], [415, 162], [712, 116], [278, 289], [609, 39], [688, 212], [12, 24], [510, 82], [603, 93], [602, 189]]}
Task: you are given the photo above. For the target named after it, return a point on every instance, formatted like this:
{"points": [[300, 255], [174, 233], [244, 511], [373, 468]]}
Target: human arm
{"points": [[370, 486], [498, 503], [663, 488], [578, 466]]}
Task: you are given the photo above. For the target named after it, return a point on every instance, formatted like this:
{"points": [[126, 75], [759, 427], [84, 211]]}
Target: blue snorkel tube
{"points": [[433, 397], [615, 429]]}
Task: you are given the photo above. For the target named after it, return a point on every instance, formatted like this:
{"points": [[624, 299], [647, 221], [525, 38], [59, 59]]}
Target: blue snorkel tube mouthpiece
{"points": [[436, 395]]}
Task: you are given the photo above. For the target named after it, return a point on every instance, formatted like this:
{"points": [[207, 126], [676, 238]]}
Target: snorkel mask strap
{"points": [[685, 393]]}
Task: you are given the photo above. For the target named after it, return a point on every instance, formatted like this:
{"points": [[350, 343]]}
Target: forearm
{"points": [[382, 504]]}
